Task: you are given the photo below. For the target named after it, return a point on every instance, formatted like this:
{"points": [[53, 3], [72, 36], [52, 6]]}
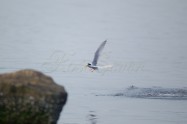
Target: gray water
{"points": [[146, 46]]}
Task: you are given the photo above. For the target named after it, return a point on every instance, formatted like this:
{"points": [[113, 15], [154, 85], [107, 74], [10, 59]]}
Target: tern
{"points": [[94, 65]]}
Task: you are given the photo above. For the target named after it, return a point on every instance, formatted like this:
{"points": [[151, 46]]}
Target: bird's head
{"points": [[88, 65]]}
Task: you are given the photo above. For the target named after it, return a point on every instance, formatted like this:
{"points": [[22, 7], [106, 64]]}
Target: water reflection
{"points": [[92, 117]]}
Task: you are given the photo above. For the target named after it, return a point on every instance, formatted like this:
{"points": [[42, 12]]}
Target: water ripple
{"points": [[153, 93]]}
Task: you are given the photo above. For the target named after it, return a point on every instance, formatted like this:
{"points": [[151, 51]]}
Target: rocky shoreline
{"points": [[30, 97]]}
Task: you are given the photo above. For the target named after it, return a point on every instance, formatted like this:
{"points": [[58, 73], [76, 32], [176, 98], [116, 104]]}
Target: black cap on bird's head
{"points": [[88, 65]]}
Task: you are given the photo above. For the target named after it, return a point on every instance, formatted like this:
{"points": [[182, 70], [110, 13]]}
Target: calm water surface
{"points": [[146, 46]]}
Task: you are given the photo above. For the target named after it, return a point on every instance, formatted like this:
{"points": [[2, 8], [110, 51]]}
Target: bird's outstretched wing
{"points": [[97, 53]]}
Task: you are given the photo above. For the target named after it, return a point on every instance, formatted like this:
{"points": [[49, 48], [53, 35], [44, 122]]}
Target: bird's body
{"points": [[93, 65]]}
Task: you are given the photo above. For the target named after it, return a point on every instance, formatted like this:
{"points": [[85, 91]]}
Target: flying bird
{"points": [[94, 65]]}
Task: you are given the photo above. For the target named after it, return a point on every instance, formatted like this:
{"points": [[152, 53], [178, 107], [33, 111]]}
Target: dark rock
{"points": [[30, 97]]}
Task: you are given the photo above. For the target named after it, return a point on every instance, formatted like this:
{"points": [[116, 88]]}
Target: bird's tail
{"points": [[105, 66]]}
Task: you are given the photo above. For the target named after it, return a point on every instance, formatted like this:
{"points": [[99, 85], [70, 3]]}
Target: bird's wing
{"points": [[97, 53]]}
